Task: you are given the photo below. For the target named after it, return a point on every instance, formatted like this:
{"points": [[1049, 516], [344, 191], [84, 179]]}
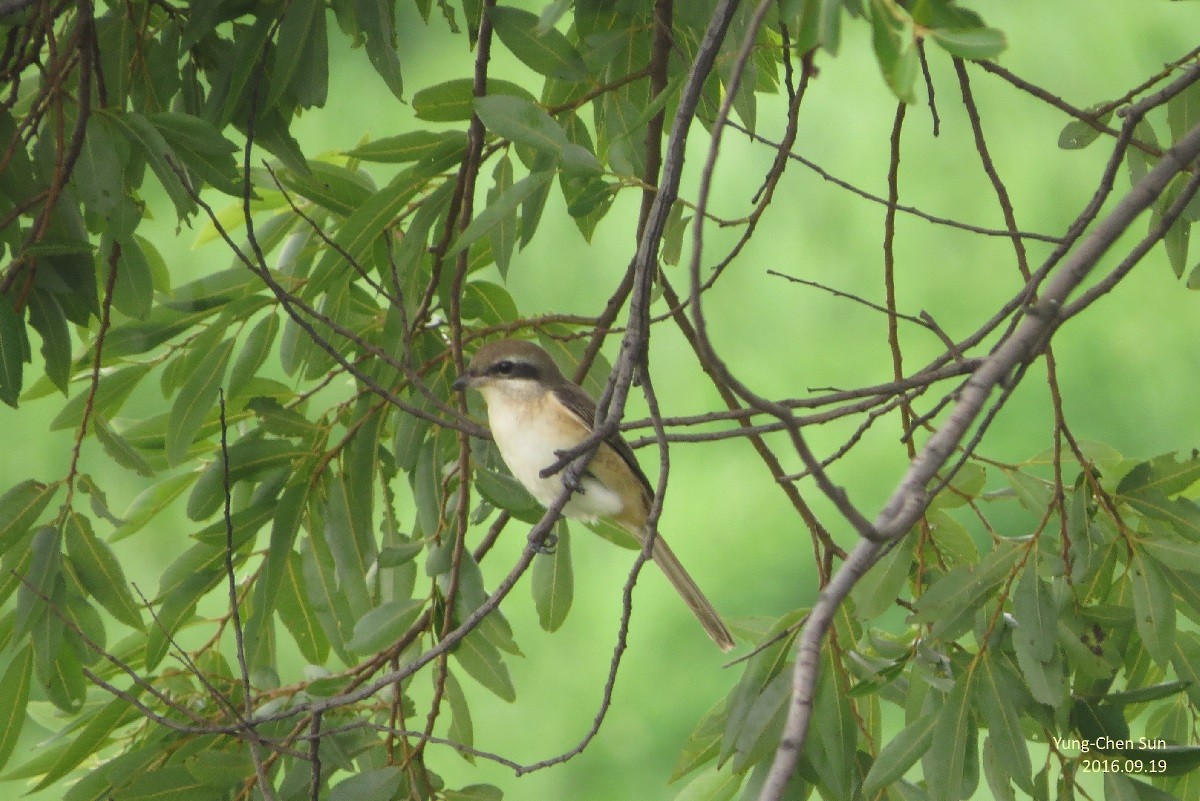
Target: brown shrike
{"points": [[535, 413]]}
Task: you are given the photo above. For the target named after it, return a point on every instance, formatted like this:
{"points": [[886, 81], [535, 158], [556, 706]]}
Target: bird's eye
{"points": [[503, 367]]}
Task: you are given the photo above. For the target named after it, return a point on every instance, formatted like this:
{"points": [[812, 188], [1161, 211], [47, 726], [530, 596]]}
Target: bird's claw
{"points": [[547, 544]]}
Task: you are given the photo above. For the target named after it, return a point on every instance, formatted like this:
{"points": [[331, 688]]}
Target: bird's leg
{"points": [[547, 544]]}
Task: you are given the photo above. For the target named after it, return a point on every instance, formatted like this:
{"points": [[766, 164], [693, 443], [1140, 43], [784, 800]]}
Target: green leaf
{"points": [[1036, 614], [877, 591], [113, 390], [1163, 474], [554, 582], [954, 736], [474, 792], [44, 573], [383, 625], [254, 353], [12, 352], [301, 55], [118, 448], [483, 662], [377, 20], [168, 781], [711, 785], [48, 319], [453, 101], [900, 753], [14, 696], [99, 571], [999, 708], [1186, 660], [196, 400], [524, 122], [298, 615], [249, 458], [971, 43], [321, 592], [380, 783], [544, 50], [356, 235], [503, 236], [1153, 607], [703, 742], [500, 211], [412, 146], [20, 508], [284, 528], [85, 742], [144, 136], [1078, 134], [150, 502], [461, 729], [505, 492], [894, 48]]}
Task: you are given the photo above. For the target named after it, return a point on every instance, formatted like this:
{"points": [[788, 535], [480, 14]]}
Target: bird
{"points": [[535, 414]]}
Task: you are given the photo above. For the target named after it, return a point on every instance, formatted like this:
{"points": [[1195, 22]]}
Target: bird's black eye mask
{"points": [[509, 368]]}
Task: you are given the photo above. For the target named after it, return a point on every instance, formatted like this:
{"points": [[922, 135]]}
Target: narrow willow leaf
{"points": [[45, 572], [20, 508], [1153, 607], [996, 773], [351, 558], [452, 101], [1036, 614], [119, 449], [900, 754], [487, 302], [249, 458], [285, 526], [553, 582], [544, 50], [483, 662], [301, 33], [703, 742], [524, 122], [320, 591], [954, 734], [150, 502], [12, 352], [461, 729], [379, 783], [711, 785], [196, 400], [972, 43], [878, 590], [298, 616], [832, 751], [88, 739], [500, 210], [99, 571], [383, 625], [48, 319], [412, 146], [147, 139], [377, 21], [1000, 711], [14, 696]]}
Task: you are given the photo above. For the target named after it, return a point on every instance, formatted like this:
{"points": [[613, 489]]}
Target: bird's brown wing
{"points": [[580, 404]]}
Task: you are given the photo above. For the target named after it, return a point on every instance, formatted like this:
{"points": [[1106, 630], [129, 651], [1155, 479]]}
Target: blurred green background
{"points": [[1130, 367]]}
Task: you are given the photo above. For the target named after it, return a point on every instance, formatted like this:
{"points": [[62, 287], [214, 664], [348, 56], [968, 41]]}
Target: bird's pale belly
{"points": [[528, 446]]}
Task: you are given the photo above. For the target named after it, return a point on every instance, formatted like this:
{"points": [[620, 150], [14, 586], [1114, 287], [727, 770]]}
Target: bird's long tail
{"points": [[683, 583]]}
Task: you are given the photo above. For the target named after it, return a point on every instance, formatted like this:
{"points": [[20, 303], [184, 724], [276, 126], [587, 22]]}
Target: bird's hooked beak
{"points": [[463, 382]]}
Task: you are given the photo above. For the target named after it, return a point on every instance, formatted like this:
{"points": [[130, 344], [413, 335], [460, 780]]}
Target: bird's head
{"points": [[509, 366]]}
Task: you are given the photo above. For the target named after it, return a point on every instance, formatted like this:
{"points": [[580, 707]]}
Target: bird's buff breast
{"points": [[528, 433]]}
